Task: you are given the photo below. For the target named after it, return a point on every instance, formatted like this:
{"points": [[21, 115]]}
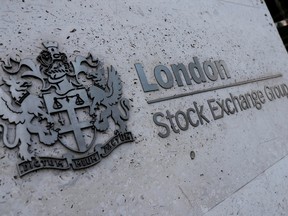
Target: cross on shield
{"points": [[67, 107]]}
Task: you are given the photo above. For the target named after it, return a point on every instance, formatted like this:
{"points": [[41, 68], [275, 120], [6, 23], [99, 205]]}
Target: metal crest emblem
{"points": [[56, 103]]}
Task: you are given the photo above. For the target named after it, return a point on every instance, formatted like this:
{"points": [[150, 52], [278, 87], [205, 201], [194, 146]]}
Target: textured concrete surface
{"points": [[240, 165]]}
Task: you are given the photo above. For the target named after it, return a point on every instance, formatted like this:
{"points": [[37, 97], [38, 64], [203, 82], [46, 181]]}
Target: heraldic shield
{"points": [[55, 101], [74, 133]]}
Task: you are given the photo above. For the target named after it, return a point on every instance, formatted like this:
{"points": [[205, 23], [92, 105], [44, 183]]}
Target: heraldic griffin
{"points": [[108, 94], [22, 110]]}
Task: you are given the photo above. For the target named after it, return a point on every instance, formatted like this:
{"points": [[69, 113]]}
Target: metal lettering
{"points": [[221, 66], [213, 109], [147, 87], [196, 65], [176, 71], [190, 119], [170, 117], [161, 69], [161, 124], [165, 79], [185, 127], [213, 75], [222, 107], [228, 107], [200, 114], [269, 93]]}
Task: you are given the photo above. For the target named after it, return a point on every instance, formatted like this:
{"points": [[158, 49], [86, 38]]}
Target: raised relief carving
{"points": [[46, 102]]}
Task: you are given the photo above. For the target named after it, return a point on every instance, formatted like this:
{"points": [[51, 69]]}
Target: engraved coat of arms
{"points": [[53, 101]]}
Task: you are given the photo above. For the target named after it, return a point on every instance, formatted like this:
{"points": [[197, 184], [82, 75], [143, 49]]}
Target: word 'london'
{"points": [[197, 114], [211, 69], [55, 101]]}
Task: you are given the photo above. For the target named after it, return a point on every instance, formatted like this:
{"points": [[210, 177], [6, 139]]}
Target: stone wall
{"points": [[231, 163]]}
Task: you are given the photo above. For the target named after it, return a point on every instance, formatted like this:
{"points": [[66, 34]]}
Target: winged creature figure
{"points": [[25, 112], [106, 97]]}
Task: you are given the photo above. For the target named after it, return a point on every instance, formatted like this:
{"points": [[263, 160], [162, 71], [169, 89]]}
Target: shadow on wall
{"points": [[279, 12]]}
